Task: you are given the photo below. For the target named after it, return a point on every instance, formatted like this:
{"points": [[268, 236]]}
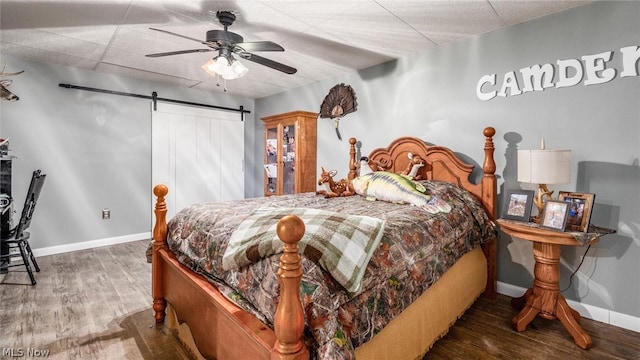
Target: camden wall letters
{"points": [[589, 69]]}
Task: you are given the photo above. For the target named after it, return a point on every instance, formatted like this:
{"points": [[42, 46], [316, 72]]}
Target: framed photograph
{"points": [[271, 146], [580, 205], [517, 205], [554, 215]]}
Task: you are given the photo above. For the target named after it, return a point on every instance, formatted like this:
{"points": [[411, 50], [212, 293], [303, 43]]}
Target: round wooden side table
{"points": [[544, 299]]}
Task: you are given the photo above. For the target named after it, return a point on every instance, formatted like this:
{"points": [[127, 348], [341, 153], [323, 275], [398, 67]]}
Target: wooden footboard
{"points": [[212, 315]]}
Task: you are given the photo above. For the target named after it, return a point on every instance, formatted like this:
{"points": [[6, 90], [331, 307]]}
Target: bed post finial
{"points": [[288, 321], [489, 166], [352, 159], [159, 242], [489, 183], [160, 191]]}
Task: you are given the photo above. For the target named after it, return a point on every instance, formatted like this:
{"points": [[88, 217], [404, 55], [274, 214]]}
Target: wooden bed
{"points": [[214, 327]]}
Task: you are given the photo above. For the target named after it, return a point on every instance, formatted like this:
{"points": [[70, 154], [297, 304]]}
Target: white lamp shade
{"points": [[237, 70], [208, 67], [220, 65], [229, 69], [544, 166]]}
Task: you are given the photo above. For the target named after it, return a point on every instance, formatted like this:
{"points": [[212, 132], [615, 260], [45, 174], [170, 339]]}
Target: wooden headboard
{"points": [[441, 163]]}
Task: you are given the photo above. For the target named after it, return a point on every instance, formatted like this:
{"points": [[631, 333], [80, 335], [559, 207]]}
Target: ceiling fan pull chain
{"points": [[224, 82]]}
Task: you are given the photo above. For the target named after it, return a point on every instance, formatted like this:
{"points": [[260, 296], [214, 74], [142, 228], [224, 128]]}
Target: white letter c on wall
{"points": [[491, 79]]}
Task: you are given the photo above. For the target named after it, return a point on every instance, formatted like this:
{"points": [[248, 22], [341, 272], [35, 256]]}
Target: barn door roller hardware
{"points": [[154, 97]]}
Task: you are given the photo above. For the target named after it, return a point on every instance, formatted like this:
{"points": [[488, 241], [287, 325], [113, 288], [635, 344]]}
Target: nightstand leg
{"points": [[528, 313], [518, 303], [569, 319], [545, 299]]}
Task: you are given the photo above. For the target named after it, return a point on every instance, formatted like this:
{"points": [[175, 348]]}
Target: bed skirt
{"points": [[429, 318], [417, 328]]}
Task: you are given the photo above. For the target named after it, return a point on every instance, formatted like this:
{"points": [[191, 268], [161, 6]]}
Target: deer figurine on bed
{"points": [[414, 165], [334, 188]]}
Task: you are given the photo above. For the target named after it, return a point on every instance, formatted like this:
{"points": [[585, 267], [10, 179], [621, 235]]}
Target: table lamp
{"points": [[544, 167]]}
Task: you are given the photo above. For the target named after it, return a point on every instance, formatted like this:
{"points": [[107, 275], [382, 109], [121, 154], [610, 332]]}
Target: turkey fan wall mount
{"points": [[340, 101], [227, 43]]}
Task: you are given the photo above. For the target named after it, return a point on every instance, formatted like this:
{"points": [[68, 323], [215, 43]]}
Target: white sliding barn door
{"points": [[198, 153]]}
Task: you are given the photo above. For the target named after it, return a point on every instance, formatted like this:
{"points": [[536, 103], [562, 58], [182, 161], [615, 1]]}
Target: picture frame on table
{"points": [[517, 204], [554, 215], [580, 206]]}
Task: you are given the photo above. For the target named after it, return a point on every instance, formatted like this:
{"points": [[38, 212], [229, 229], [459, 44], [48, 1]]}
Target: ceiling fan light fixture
{"points": [[226, 43], [238, 69], [228, 68]]}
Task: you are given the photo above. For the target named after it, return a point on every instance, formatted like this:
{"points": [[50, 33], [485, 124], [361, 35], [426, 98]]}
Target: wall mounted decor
{"points": [[588, 69], [340, 101], [4, 93]]}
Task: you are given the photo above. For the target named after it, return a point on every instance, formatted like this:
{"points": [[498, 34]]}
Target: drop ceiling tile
{"points": [[513, 12], [360, 27], [445, 21], [145, 14], [144, 75], [46, 57], [101, 34], [61, 13], [315, 12], [320, 45], [172, 66], [148, 42], [54, 43]]}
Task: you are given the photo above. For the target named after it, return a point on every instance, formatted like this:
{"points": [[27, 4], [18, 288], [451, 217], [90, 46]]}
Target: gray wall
{"points": [[433, 96], [95, 149]]}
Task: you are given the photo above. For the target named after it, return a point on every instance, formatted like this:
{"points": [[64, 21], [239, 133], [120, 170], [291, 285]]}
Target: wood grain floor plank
{"points": [[89, 304]]}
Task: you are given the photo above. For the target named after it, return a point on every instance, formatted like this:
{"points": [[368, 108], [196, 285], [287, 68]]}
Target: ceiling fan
{"points": [[227, 43]]}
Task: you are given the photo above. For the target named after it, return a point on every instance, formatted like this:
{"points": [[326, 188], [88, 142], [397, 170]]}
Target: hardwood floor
{"points": [[485, 332], [89, 304], [96, 304]]}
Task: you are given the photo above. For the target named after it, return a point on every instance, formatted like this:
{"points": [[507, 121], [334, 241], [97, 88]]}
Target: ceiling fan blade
{"points": [[259, 46], [223, 37], [270, 63], [178, 35], [178, 52]]}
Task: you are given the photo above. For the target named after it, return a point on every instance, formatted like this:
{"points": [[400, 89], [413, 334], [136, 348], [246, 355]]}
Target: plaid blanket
{"points": [[341, 244]]}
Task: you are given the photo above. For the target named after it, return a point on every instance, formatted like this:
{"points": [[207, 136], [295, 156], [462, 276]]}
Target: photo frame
{"points": [[554, 215], [517, 204], [580, 206]]}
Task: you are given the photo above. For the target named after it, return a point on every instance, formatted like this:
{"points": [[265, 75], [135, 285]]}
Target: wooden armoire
{"points": [[290, 153]]}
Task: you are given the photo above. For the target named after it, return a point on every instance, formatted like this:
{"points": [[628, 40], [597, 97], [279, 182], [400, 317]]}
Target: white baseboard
{"points": [[588, 311], [59, 249]]}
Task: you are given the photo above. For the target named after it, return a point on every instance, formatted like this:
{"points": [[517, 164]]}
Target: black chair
{"points": [[19, 237]]}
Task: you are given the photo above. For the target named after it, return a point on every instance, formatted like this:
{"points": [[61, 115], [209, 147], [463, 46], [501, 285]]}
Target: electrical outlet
{"points": [[106, 214]]}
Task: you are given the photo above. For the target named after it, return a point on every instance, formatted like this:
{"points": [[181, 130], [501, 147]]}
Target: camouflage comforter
{"points": [[415, 250]]}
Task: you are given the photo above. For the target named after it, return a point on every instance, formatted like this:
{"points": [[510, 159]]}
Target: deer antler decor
{"points": [[4, 93]]}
